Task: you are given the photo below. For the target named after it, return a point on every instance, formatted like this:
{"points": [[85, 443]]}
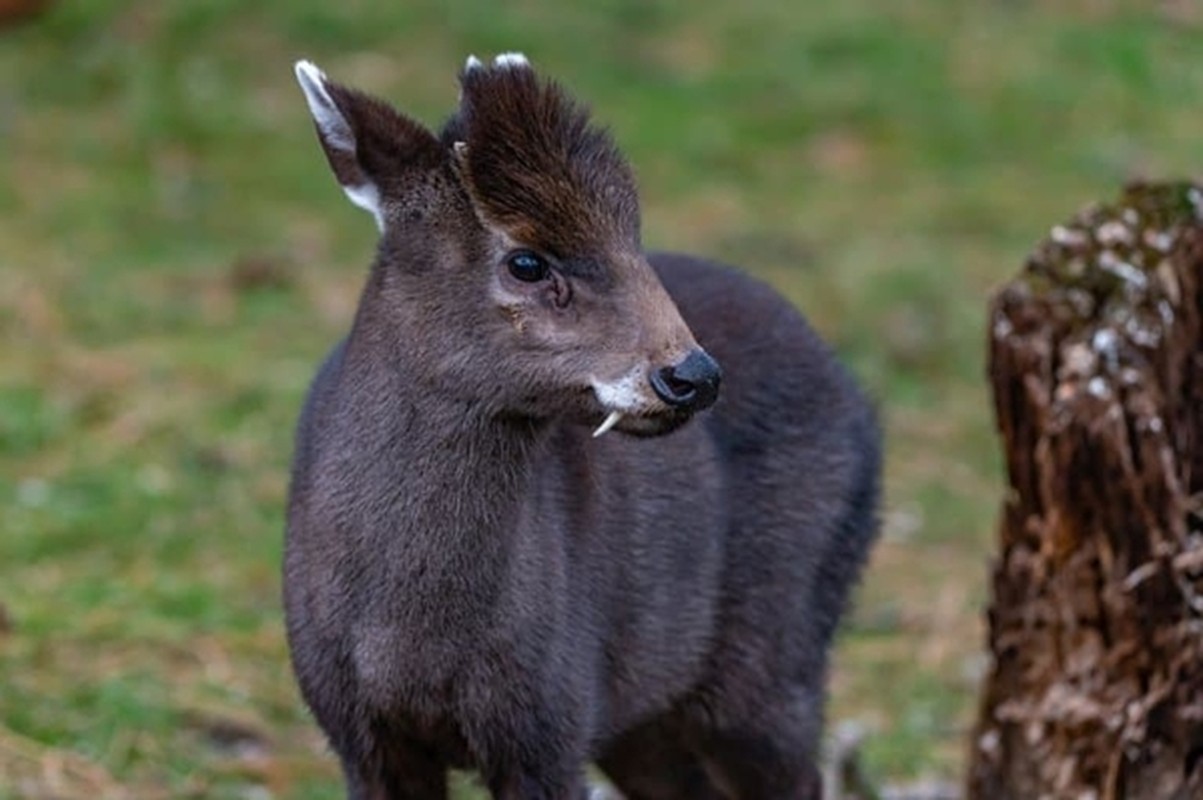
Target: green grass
{"points": [[175, 257]]}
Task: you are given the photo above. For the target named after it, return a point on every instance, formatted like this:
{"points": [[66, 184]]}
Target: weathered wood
{"points": [[1096, 620]]}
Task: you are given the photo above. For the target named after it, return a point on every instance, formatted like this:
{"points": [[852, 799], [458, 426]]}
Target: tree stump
{"points": [[1096, 620]]}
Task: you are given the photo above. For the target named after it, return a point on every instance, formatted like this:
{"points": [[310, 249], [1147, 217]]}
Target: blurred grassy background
{"points": [[175, 257]]}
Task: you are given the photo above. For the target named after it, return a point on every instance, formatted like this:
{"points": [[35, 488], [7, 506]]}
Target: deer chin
{"points": [[658, 424]]}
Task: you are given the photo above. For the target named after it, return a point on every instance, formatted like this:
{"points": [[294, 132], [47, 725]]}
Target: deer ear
{"points": [[370, 145]]}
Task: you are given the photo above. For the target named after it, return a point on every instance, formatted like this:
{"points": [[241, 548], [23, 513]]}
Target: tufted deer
{"points": [[472, 580]]}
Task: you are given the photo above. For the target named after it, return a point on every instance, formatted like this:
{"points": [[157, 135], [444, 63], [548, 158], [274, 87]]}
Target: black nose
{"points": [[690, 385]]}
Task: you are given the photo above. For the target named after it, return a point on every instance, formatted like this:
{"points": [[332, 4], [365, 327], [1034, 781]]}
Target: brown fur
{"points": [[537, 167]]}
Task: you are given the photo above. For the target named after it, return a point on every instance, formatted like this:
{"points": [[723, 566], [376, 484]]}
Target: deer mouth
{"points": [[632, 406], [651, 401], [625, 399], [646, 423], [650, 425]]}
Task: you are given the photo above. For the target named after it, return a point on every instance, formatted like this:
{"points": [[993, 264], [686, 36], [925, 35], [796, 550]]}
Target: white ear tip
{"points": [[308, 73], [330, 121], [511, 60], [472, 63]]}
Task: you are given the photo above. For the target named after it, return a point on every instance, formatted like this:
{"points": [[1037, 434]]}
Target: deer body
{"points": [[472, 580]]}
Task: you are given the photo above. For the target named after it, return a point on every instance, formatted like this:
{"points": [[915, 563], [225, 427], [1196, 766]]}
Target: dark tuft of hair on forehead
{"points": [[537, 167]]}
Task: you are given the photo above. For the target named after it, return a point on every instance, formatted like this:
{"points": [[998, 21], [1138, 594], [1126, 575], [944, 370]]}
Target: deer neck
{"points": [[443, 478]]}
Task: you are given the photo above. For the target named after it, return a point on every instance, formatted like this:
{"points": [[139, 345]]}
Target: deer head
{"points": [[509, 272]]}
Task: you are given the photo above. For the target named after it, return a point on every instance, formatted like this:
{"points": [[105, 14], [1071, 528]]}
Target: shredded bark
{"points": [[1096, 620]]}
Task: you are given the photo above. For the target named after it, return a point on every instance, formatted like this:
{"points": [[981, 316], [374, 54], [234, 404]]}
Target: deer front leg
{"points": [[527, 730], [524, 786], [398, 772], [537, 760]]}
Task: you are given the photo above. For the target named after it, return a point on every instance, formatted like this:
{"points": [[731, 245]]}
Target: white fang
{"points": [[609, 423]]}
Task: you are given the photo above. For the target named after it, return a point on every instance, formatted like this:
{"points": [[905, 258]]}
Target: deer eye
{"points": [[527, 266]]}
